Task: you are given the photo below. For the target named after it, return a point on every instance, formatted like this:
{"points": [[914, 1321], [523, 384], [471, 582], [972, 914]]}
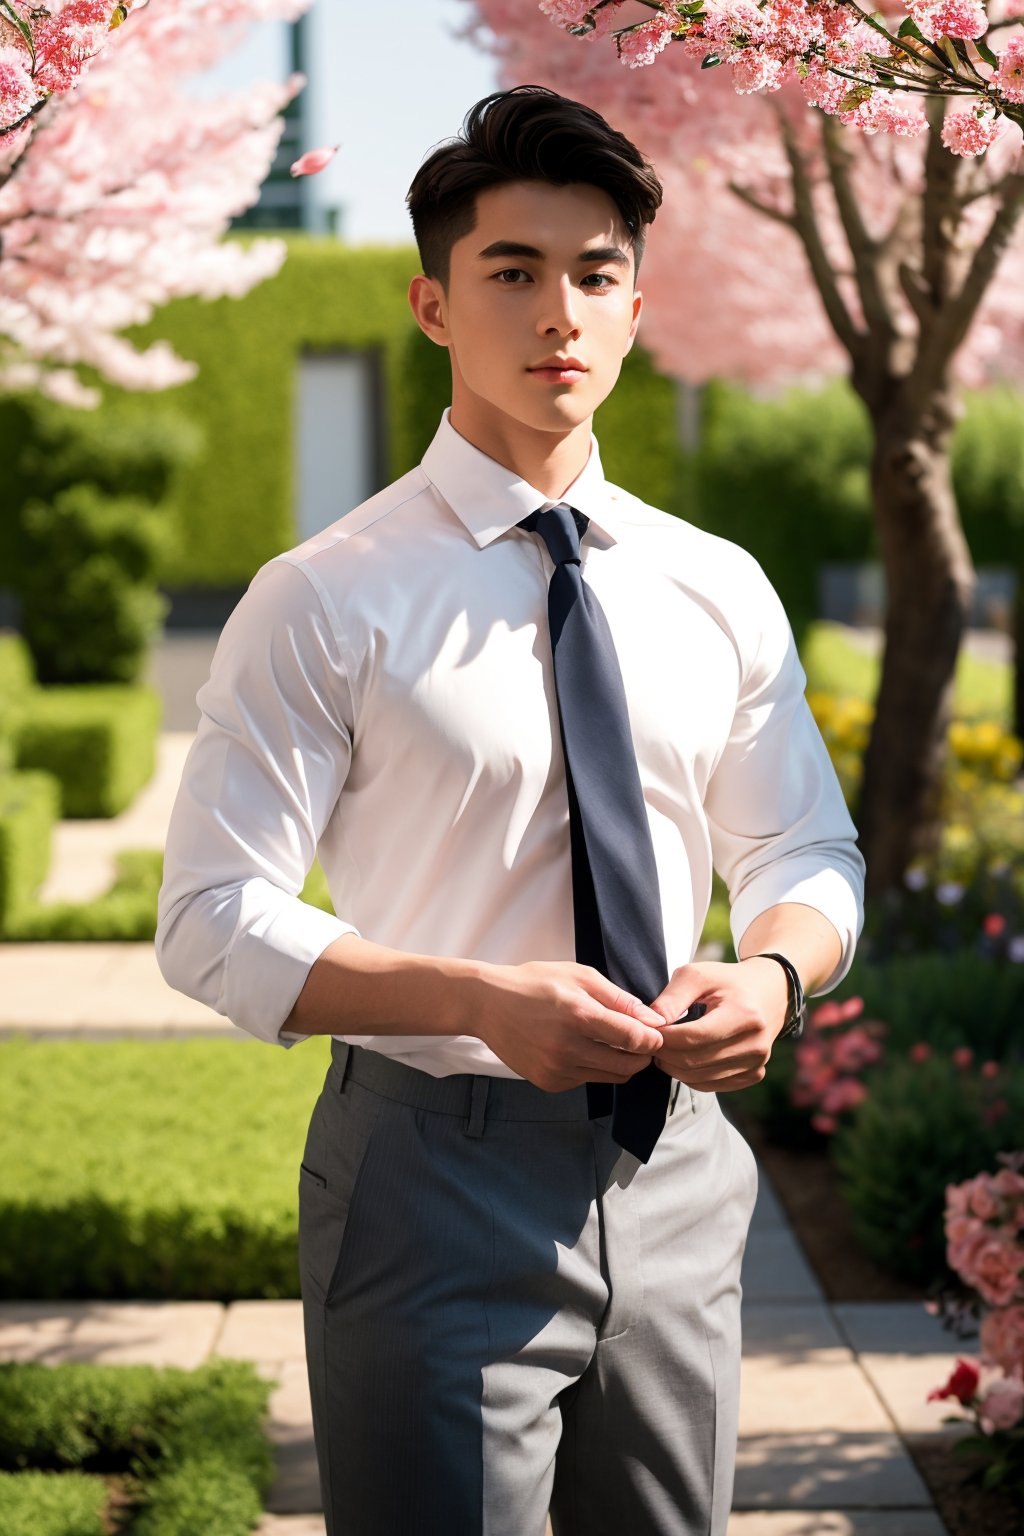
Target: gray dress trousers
{"points": [[505, 1313]]}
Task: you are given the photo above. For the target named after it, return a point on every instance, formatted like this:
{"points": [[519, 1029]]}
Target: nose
{"points": [[559, 311]]}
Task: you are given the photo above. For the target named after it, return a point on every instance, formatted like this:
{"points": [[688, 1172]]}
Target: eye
{"points": [[605, 279], [506, 271]]}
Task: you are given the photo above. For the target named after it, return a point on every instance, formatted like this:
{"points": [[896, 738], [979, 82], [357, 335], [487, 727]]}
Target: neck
{"points": [[549, 461]]}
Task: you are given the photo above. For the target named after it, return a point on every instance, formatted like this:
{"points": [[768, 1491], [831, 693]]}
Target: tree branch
{"points": [[746, 196], [805, 223], [953, 320], [863, 248]]}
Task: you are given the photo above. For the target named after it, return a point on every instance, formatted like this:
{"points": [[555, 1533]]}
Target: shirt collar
{"points": [[490, 499]]}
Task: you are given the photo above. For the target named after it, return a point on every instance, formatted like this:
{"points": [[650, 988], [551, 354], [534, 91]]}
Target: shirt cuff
{"points": [[268, 964], [826, 889]]}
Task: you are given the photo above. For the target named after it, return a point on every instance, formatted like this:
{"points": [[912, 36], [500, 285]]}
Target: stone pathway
{"points": [[828, 1391]]}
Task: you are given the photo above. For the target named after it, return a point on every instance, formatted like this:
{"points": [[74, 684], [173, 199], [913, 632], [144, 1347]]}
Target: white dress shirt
{"points": [[383, 696]]}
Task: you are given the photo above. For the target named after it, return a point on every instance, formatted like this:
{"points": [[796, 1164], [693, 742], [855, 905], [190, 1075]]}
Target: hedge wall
{"points": [[235, 500]]}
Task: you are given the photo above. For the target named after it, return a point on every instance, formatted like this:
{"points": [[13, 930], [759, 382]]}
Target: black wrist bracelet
{"points": [[796, 1006]]}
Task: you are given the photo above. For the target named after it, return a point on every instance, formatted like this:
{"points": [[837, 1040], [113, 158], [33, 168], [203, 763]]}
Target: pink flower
{"points": [[962, 1057], [990, 1069], [1009, 78], [1002, 1339], [950, 18], [969, 133], [845, 1093], [1003, 1404], [852, 1008], [827, 1015], [962, 1384], [66, 41], [643, 46], [920, 1052], [18, 92], [856, 1049], [996, 1268], [313, 160], [566, 13], [825, 1124], [995, 924], [755, 69]]}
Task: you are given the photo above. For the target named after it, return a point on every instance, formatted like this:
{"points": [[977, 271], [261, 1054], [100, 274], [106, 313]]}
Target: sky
{"points": [[386, 90]]}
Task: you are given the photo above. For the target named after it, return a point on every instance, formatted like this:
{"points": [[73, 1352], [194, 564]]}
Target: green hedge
{"points": [[152, 1168], [124, 914], [191, 1444], [98, 739], [89, 605], [17, 681], [234, 501], [29, 806]]}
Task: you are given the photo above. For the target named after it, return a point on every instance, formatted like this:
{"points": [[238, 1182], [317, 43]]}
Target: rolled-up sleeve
{"points": [[261, 779], [780, 830]]}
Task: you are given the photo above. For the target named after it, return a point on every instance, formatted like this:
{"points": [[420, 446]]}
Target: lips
{"points": [[559, 365]]}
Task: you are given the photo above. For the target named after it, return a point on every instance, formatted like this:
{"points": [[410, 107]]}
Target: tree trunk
{"points": [[930, 586]]}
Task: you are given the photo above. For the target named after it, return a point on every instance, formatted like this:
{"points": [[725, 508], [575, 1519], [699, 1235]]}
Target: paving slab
{"points": [[827, 1471], [820, 1522], [768, 1213], [263, 1330], [296, 1486], [779, 1396], [98, 990], [905, 1353], [292, 1525], [110, 1333], [793, 1330], [775, 1269]]}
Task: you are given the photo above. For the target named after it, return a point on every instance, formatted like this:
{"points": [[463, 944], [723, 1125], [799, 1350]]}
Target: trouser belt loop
{"points": [[342, 1053], [477, 1106]]}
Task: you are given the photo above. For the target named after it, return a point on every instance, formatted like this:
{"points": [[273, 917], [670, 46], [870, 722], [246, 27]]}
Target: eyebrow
{"points": [[514, 248]]}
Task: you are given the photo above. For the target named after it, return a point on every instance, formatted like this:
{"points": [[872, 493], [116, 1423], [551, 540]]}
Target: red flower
{"points": [[994, 925], [962, 1384], [920, 1052], [962, 1057]]}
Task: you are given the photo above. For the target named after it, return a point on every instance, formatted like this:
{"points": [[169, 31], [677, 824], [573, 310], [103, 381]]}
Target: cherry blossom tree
{"points": [[116, 186], [808, 230]]}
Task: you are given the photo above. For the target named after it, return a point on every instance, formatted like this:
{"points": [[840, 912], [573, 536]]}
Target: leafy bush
{"points": [[97, 739], [29, 806], [152, 1168], [924, 1124], [17, 680], [126, 913], [52, 1504], [192, 1441], [89, 604]]}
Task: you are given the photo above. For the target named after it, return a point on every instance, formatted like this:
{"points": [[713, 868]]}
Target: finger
{"points": [[726, 1076], [622, 1031], [702, 1040], [617, 999], [618, 1066]]}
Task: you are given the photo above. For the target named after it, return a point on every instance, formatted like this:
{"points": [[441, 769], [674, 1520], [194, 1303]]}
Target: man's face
{"points": [[547, 273]]}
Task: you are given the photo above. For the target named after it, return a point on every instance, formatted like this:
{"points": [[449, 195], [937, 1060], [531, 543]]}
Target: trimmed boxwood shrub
{"points": [[17, 680], [153, 1168], [52, 1504], [191, 1444], [89, 604], [126, 913], [924, 1125], [98, 739], [29, 806]]}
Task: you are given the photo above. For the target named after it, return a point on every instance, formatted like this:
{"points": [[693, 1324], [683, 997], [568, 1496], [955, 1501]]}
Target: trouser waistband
{"points": [[474, 1097]]}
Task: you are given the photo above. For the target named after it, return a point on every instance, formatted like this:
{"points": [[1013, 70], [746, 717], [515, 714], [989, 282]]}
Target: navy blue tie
{"points": [[616, 900]]}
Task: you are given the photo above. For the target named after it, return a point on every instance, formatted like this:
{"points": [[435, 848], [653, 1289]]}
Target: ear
{"points": [[430, 308], [638, 304]]}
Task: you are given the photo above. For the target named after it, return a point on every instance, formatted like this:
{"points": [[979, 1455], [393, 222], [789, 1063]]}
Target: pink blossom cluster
{"points": [[115, 194], [985, 1246], [66, 36], [985, 1235], [828, 1067], [845, 67]]}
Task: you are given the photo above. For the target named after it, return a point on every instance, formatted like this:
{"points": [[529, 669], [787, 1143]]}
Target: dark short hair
{"points": [[528, 133]]}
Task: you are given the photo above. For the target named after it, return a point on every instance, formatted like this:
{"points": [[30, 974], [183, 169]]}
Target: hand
{"points": [[729, 1047], [559, 1024]]}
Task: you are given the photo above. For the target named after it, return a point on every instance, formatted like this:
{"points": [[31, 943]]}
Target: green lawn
{"points": [[834, 665]]}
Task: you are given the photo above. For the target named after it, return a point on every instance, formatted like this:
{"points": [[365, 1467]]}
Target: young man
{"points": [[518, 713]]}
